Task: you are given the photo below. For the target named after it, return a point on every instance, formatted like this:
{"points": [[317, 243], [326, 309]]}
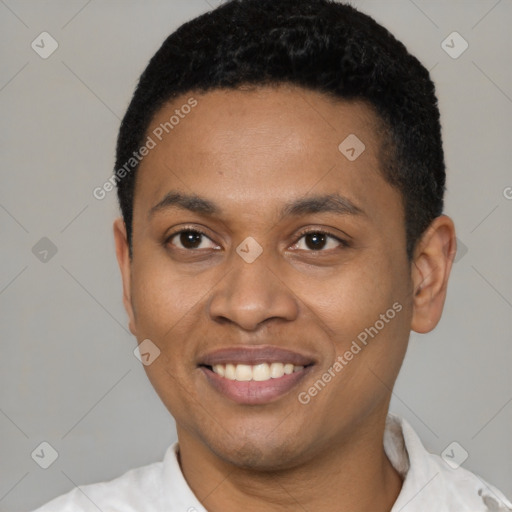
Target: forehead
{"points": [[258, 148]]}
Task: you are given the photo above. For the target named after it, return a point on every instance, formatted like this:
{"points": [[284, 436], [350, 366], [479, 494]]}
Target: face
{"points": [[261, 248]]}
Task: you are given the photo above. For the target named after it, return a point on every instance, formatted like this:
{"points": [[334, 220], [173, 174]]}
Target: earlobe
{"points": [[124, 262], [430, 271]]}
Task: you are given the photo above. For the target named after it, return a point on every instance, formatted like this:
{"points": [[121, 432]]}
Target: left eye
{"points": [[318, 240]]}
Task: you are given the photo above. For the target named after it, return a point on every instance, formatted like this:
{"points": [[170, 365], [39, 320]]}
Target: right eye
{"points": [[189, 239]]}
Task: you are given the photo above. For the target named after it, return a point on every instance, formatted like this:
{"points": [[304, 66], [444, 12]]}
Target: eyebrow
{"points": [[331, 203]]}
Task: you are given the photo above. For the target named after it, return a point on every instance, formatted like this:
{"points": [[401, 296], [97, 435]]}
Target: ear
{"points": [[430, 269], [124, 261]]}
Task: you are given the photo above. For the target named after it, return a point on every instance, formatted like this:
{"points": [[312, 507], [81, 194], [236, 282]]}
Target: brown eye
{"points": [[319, 241], [315, 241], [189, 239]]}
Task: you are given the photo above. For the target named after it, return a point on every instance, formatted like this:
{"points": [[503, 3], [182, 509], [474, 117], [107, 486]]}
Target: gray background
{"points": [[68, 375]]}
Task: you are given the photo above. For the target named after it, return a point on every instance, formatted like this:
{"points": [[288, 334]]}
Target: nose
{"points": [[250, 294]]}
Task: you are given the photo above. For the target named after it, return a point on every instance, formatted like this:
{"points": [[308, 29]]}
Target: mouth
{"points": [[255, 375], [258, 372]]}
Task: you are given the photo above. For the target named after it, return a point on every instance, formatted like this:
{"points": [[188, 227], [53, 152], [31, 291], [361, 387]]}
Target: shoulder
{"points": [[137, 489], [465, 491], [434, 483]]}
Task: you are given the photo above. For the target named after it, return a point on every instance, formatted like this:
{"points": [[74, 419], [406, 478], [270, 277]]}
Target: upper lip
{"points": [[252, 355]]}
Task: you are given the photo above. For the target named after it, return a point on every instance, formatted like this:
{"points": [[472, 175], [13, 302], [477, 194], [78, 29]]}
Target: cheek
{"points": [[351, 298], [168, 382], [364, 310], [167, 305], [162, 296]]}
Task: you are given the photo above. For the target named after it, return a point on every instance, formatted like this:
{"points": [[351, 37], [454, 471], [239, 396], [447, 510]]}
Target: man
{"points": [[280, 174]]}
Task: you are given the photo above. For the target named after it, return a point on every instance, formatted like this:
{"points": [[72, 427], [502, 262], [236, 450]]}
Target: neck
{"points": [[354, 474]]}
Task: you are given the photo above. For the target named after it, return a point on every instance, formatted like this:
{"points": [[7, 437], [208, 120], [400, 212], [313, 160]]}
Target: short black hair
{"points": [[320, 45]]}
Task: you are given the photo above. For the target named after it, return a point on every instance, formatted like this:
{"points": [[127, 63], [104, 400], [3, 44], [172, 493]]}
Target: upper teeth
{"points": [[257, 372]]}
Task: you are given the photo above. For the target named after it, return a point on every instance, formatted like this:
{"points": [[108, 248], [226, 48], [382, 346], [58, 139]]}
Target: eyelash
{"points": [[343, 243]]}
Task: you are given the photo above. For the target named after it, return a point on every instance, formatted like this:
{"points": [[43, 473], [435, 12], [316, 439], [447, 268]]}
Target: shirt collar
{"points": [[426, 482]]}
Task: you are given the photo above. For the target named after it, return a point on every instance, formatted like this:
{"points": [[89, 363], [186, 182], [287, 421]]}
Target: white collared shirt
{"points": [[430, 484]]}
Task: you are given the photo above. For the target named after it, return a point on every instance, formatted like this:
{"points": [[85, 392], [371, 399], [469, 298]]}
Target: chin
{"points": [[260, 454]]}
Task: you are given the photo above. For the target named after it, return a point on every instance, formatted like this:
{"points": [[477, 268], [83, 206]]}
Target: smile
{"points": [[258, 372]]}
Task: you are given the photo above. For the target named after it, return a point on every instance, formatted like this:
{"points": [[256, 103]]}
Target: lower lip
{"points": [[255, 392]]}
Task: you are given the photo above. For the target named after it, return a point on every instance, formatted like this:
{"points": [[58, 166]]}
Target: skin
{"points": [[250, 152]]}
